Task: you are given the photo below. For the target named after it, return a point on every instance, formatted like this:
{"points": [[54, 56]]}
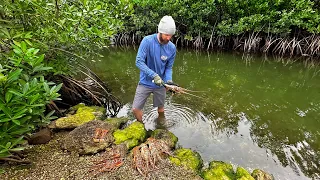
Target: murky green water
{"points": [[255, 112]]}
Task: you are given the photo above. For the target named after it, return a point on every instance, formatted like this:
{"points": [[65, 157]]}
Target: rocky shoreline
{"points": [[72, 153], [50, 162]]}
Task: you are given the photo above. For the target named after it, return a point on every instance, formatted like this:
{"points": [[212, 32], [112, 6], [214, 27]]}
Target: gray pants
{"points": [[142, 94]]}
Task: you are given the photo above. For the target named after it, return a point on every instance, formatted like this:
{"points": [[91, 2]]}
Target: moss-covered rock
{"points": [[134, 134], [243, 174], [219, 170], [84, 114], [258, 174], [117, 122], [97, 111], [80, 140], [165, 135], [187, 158], [76, 107]]}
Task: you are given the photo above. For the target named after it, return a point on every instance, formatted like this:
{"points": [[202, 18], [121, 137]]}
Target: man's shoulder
{"points": [[149, 37], [171, 46]]}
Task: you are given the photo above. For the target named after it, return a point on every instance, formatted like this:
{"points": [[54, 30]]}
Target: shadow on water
{"points": [[256, 112]]}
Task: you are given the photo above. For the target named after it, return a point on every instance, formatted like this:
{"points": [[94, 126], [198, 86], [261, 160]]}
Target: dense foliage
{"points": [[280, 26], [78, 24], [231, 17], [24, 94], [40, 39]]}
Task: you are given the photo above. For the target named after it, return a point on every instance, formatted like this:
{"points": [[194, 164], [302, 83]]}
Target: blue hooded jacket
{"points": [[154, 59]]}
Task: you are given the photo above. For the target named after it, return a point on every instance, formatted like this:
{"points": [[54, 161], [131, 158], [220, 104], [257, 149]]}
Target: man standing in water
{"points": [[155, 59]]}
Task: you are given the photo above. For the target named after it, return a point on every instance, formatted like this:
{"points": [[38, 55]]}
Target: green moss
{"points": [[187, 158], [243, 174], [74, 120], [175, 160], [132, 143], [117, 122], [219, 170], [84, 114], [132, 135], [76, 107], [166, 135], [92, 109]]}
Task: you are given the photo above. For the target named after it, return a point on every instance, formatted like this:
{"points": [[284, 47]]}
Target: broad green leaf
{"points": [[5, 119], [41, 68], [25, 88], [30, 50], [28, 35], [17, 51], [14, 75], [50, 114], [5, 153], [40, 59], [17, 141], [17, 122], [16, 43], [20, 111], [46, 87], [15, 92], [58, 87], [6, 32], [41, 79], [36, 51], [24, 119], [5, 110], [35, 88], [28, 42], [52, 89], [23, 46], [37, 105], [17, 36], [15, 117], [20, 131], [34, 98], [17, 149], [8, 145], [8, 96]]}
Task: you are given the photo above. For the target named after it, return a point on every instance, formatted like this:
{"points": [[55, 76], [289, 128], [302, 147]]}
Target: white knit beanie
{"points": [[167, 25]]}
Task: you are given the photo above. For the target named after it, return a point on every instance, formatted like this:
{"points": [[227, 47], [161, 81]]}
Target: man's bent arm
{"points": [[142, 57]]}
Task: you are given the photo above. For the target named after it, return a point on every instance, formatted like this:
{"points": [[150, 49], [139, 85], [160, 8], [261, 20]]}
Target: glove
{"points": [[157, 80]]}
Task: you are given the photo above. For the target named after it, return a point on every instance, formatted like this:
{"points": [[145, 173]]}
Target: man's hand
{"points": [[170, 82], [157, 80]]}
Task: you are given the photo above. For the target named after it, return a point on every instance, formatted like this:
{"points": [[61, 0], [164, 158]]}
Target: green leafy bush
{"points": [[24, 94]]}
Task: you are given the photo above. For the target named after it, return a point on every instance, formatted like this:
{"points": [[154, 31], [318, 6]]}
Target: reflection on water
{"points": [[199, 132], [257, 113]]}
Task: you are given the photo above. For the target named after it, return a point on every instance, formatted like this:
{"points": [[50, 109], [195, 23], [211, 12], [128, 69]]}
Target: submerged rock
{"points": [[134, 134], [80, 140], [165, 135], [258, 174], [243, 174], [83, 115], [219, 170], [187, 158]]}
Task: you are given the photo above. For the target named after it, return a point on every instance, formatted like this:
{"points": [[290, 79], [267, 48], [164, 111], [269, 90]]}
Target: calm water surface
{"points": [[254, 112]]}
